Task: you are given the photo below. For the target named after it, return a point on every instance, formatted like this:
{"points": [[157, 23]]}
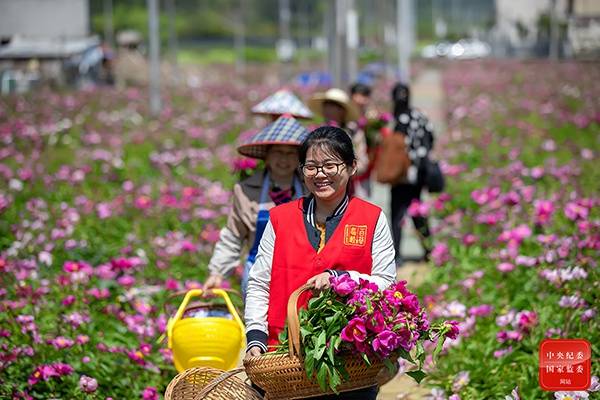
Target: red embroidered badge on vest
{"points": [[355, 235]]}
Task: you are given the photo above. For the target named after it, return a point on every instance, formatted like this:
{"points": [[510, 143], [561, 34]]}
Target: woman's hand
{"points": [[253, 352], [213, 281], [320, 282]]}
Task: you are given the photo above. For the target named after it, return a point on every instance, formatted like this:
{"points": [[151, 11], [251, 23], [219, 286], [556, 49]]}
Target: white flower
{"points": [[571, 395]]}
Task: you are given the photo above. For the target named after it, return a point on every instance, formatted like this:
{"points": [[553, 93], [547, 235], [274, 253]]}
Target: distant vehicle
{"points": [[464, 49]]}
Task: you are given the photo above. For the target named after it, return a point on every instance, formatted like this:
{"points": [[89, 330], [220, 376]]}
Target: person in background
{"points": [[419, 142], [325, 234], [277, 144], [338, 110], [282, 102], [361, 97]]}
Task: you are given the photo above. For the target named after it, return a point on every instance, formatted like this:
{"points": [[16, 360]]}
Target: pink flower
{"points": [[461, 380], [410, 304], [502, 352], [42, 372], [355, 331], [575, 211], [103, 210], [143, 202], [385, 342], [505, 336], [136, 356], [418, 209], [171, 284], [62, 342], [527, 320], [126, 281], [543, 211], [376, 322], [82, 339], [440, 254], [67, 301], [482, 310], [505, 267], [150, 393], [452, 329], [88, 384], [343, 285]]}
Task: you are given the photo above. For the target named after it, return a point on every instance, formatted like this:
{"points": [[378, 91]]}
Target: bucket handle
{"points": [[182, 292], [223, 377], [200, 292]]}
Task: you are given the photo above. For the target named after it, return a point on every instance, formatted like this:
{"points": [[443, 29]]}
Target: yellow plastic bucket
{"points": [[214, 342]]}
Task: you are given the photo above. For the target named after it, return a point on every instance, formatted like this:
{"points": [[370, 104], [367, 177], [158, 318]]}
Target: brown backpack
{"points": [[392, 161]]}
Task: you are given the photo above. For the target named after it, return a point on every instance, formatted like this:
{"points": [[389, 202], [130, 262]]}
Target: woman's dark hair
{"points": [[360, 88], [329, 139], [400, 98]]}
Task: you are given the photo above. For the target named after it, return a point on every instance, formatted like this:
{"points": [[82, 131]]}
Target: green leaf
{"points": [[406, 355], [438, 348], [322, 377], [320, 345], [390, 365], [417, 375], [309, 365]]}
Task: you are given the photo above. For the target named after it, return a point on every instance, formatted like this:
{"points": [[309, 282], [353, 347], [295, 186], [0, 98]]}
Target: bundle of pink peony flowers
{"points": [[358, 318]]}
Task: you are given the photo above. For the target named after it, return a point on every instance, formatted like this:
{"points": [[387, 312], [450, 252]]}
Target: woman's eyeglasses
{"points": [[329, 169]]}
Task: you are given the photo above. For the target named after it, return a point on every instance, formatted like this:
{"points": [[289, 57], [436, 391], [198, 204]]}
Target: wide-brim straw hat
{"points": [[283, 102], [284, 131], [337, 96]]}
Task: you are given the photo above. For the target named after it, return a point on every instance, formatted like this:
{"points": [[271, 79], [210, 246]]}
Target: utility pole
{"points": [[352, 42], [154, 78], [405, 37], [554, 33], [173, 45], [285, 50], [109, 32], [240, 38]]}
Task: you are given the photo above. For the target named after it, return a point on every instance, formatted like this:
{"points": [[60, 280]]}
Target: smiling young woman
{"points": [[327, 233]]}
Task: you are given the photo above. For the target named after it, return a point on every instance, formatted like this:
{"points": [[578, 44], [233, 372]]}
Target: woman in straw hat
{"points": [[277, 144], [282, 102], [337, 109]]}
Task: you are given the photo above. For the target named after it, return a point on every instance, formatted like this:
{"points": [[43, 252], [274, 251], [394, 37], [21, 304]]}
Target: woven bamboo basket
{"points": [[210, 384], [282, 376]]}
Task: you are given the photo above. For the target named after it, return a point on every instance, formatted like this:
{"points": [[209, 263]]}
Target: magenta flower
{"points": [[88, 384], [440, 254], [482, 310], [343, 285], [452, 329], [150, 393], [526, 320], [62, 342], [386, 342], [575, 211], [376, 322], [355, 331], [410, 304], [502, 352], [505, 267], [543, 211]]}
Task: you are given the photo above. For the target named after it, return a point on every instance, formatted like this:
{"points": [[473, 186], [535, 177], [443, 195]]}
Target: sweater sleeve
{"points": [[257, 294], [383, 272]]}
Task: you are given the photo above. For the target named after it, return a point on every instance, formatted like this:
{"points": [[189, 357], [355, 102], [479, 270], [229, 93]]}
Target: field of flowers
{"points": [[105, 212], [518, 242]]}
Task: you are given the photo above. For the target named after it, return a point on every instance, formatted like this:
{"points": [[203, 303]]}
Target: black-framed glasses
{"points": [[329, 169]]}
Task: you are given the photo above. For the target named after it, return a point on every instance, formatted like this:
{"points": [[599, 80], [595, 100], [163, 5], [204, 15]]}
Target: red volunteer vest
{"points": [[295, 260]]}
